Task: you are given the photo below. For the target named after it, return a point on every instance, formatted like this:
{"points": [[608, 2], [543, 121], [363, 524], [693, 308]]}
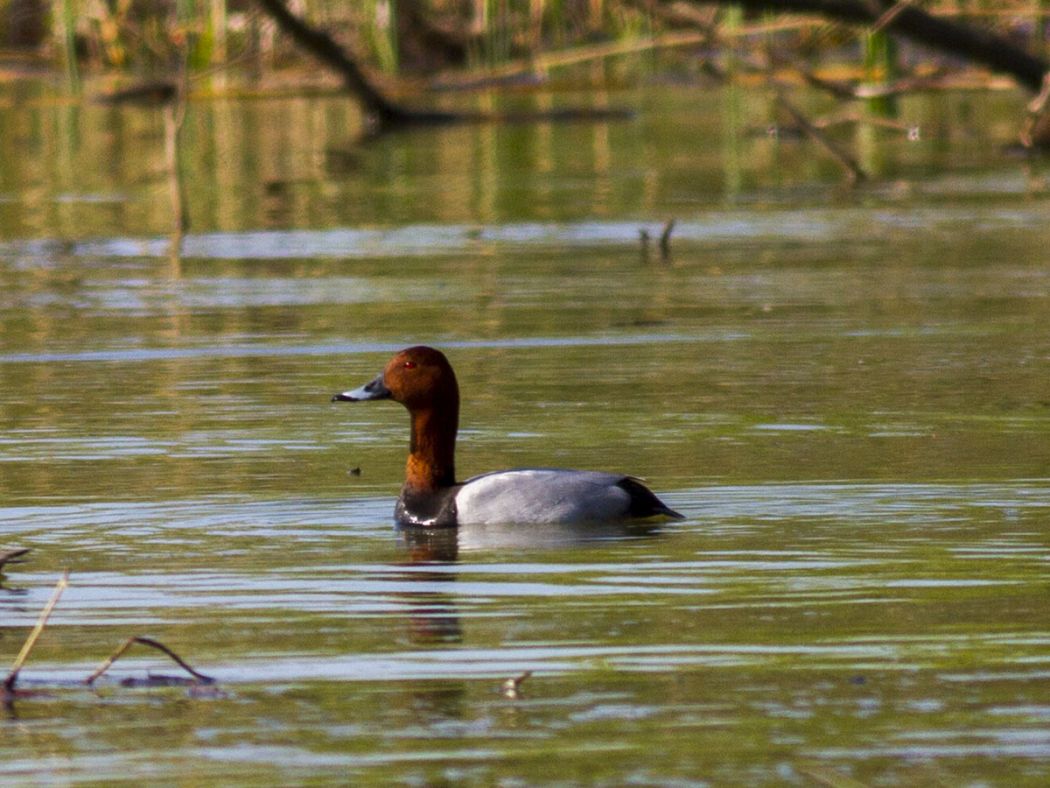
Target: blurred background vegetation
{"points": [[223, 39]]}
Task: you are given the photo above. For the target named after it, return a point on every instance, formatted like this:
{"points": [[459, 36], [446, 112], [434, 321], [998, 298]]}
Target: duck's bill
{"points": [[374, 389]]}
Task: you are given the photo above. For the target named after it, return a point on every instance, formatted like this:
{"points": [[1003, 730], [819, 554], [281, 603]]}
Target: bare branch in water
{"points": [[200, 677]]}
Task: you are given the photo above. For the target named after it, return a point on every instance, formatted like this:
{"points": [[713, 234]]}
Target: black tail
{"points": [[644, 502]]}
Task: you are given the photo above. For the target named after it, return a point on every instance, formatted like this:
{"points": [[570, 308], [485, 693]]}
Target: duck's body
{"points": [[423, 381], [531, 495]]}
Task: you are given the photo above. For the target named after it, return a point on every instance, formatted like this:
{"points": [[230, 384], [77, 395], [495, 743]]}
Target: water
{"points": [[844, 392]]}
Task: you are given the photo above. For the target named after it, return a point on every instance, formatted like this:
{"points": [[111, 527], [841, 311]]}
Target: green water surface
{"points": [[845, 392]]}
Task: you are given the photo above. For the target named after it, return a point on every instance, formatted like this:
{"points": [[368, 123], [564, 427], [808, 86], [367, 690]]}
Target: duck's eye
{"points": [[409, 365]]}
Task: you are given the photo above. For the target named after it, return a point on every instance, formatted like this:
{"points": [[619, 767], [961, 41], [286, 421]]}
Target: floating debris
{"points": [[510, 688]]}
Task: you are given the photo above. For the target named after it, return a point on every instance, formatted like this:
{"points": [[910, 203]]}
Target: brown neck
{"points": [[431, 458]]}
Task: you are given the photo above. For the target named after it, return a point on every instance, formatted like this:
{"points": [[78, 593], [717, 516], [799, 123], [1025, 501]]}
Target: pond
{"points": [[844, 390]]}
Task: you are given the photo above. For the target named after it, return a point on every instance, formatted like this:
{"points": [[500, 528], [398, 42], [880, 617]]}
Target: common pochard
{"points": [[422, 380]]}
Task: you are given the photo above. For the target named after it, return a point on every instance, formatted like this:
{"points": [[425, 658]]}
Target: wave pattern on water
{"points": [[856, 224]]}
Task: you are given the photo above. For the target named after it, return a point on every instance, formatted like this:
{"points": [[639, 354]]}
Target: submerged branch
{"points": [[154, 644]]}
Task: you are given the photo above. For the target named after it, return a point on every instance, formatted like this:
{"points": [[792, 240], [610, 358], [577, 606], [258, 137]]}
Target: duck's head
{"points": [[418, 377]]}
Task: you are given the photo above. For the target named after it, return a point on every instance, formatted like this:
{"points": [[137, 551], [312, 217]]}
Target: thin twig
{"points": [[887, 18], [541, 63], [852, 169], [45, 614], [146, 642], [849, 116]]}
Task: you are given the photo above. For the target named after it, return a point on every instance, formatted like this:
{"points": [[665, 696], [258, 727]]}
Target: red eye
{"points": [[409, 365]]}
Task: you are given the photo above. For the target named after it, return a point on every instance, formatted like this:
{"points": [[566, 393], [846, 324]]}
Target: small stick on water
{"points": [[45, 614], [146, 642], [511, 685], [665, 239]]}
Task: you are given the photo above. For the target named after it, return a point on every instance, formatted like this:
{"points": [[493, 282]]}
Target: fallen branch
{"points": [[45, 614], [324, 48], [200, 677], [386, 114], [990, 49]]}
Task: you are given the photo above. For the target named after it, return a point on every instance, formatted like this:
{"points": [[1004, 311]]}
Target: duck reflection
{"points": [[432, 557], [433, 615], [444, 544]]}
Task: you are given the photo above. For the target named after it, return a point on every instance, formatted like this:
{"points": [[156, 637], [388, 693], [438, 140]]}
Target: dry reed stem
{"points": [[45, 614]]}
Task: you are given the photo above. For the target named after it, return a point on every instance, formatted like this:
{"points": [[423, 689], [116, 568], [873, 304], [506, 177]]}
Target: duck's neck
{"points": [[431, 458]]}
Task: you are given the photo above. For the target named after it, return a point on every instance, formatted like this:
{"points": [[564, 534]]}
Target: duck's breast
{"points": [[542, 495]]}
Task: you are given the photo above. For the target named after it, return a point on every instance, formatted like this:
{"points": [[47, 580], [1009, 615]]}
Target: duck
{"points": [[422, 380]]}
